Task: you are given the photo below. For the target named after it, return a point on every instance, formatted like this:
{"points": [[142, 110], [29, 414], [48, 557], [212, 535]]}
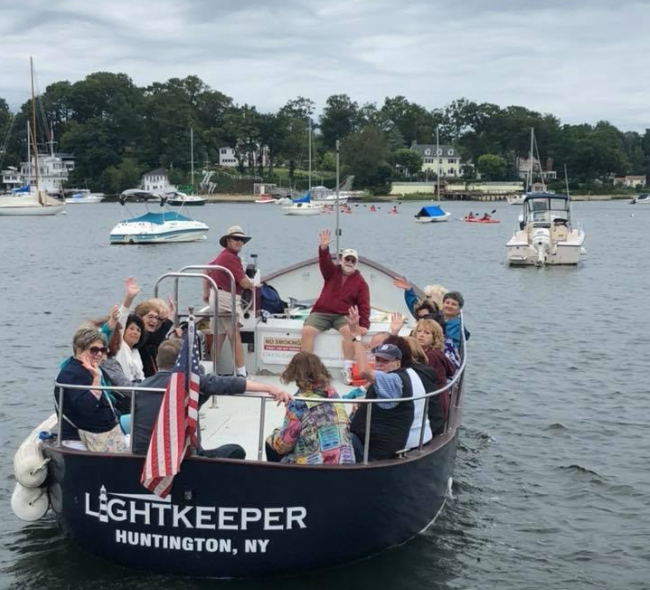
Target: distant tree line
{"points": [[117, 130]]}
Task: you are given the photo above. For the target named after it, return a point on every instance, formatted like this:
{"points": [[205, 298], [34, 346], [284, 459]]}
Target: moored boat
{"points": [[179, 199], [546, 235], [432, 214], [248, 518], [155, 228], [84, 197], [643, 199]]}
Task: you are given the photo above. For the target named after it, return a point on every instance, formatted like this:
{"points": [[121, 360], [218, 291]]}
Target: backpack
{"points": [[270, 299]]}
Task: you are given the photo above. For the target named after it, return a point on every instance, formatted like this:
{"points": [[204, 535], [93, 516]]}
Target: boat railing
{"points": [[453, 389], [214, 315]]}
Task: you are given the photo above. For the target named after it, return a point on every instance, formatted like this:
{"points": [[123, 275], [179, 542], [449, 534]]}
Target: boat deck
{"points": [[236, 419]]}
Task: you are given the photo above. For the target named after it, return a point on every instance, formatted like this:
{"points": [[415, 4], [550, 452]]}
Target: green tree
{"points": [[366, 155], [491, 167], [339, 119], [409, 160]]}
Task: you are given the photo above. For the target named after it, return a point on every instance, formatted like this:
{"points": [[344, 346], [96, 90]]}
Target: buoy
{"points": [[30, 466], [29, 504]]}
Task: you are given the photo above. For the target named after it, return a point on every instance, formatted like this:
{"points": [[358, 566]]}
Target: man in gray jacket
{"points": [[147, 403]]}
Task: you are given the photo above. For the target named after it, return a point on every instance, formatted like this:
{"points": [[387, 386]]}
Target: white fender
{"points": [[30, 466], [29, 504]]}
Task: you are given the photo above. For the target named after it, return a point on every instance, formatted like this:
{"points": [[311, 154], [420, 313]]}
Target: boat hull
{"points": [[159, 238], [84, 200], [520, 253], [186, 203], [231, 518], [437, 219], [31, 210]]}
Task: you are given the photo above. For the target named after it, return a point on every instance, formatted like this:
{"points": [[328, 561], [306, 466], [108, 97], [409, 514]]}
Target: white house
{"points": [[524, 164], [630, 181], [228, 159], [442, 159], [53, 170], [156, 180]]}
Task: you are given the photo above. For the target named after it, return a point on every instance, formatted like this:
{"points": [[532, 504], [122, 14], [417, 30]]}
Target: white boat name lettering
{"points": [[222, 518]]}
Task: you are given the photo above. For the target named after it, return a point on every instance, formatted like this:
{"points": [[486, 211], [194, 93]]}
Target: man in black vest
{"points": [[390, 422], [147, 403]]}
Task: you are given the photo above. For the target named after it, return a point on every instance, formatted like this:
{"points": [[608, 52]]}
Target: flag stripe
{"points": [[176, 429]]}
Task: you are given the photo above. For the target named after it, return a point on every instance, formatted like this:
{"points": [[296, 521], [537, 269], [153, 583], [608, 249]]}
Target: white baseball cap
{"points": [[350, 252]]}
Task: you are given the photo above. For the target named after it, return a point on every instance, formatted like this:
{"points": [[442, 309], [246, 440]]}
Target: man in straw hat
{"points": [[344, 287], [232, 241]]}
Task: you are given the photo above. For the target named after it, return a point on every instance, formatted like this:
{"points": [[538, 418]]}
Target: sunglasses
{"points": [[98, 350], [236, 239], [350, 259]]}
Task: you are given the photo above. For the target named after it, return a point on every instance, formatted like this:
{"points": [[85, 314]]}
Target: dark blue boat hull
{"points": [[247, 519]]}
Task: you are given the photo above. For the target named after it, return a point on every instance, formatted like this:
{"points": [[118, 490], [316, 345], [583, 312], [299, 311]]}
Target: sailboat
{"points": [[304, 204], [518, 199], [434, 213], [30, 200]]}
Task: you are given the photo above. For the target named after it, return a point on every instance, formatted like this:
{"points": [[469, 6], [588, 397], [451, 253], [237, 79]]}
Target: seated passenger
{"points": [[85, 409], [452, 303], [424, 379], [390, 421], [344, 287], [312, 433], [157, 318], [132, 335], [147, 403], [432, 293]]}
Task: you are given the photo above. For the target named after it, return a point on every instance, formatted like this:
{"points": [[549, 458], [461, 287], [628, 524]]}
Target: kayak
{"points": [[478, 220]]}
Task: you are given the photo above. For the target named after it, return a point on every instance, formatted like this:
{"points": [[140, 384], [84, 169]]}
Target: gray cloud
{"points": [[583, 62]]}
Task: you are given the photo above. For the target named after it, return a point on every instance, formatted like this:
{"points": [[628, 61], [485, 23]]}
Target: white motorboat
{"points": [[516, 199], [179, 199], [155, 228], [641, 200], [265, 199], [546, 235], [431, 214], [321, 195], [284, 201], [303, 209], [84, 197]]}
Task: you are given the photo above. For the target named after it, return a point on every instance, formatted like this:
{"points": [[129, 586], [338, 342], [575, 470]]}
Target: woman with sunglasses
{"points": [[86, 409]]}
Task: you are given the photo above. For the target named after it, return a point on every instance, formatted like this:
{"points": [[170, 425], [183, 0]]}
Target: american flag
{"points": [[176, 426]]}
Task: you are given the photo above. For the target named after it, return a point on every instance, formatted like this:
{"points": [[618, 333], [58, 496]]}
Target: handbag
{"points": [[110, 441]]}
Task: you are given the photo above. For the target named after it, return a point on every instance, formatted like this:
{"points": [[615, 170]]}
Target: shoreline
{"points": [[230, 198]]}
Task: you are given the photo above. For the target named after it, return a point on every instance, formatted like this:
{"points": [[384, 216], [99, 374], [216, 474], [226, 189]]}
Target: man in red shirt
{"points": [[344, 287], [233, 241]]}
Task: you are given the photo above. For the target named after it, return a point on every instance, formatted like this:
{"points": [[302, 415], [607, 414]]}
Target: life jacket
{"points": [[389, 429]]}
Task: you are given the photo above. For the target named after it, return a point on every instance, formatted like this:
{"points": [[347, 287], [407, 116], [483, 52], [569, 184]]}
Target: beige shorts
{"points": [[225, 309]]}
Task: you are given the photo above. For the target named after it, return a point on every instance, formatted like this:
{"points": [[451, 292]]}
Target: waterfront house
{"points": [[547, 174], [443, 158], [630, 181], [53, 170], [157, 180]]}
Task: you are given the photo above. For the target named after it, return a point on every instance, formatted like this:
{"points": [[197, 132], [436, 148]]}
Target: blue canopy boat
{"points": [[431, 214]]}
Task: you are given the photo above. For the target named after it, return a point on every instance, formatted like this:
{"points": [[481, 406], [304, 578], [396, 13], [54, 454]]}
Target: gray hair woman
{"points": [[86, 409]]}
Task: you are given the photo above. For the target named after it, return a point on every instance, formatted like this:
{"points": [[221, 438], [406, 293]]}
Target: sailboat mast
{"points": [[438, 163], [310, 156], [338, 230], [29, 156], [192, 157], [33, 130], [530, 160]]}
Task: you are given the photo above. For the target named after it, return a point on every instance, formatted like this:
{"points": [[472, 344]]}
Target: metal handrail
{"points": [[455, 384], [215, 316]]}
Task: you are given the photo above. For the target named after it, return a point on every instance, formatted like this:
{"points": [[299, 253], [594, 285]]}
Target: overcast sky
{"points": [[581, 60]]}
